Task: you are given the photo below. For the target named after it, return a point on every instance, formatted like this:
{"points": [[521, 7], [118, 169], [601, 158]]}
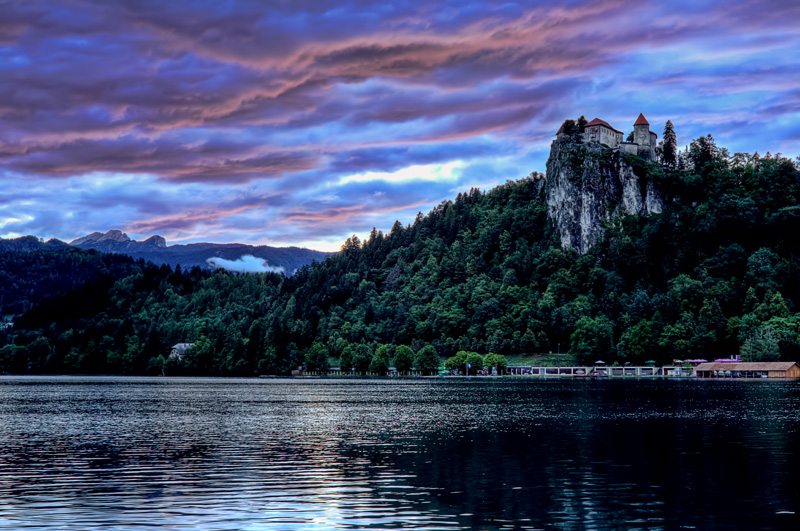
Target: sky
{"points": [[303, 122]]}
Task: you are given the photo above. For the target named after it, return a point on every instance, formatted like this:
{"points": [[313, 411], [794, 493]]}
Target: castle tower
{"points": [[641, 131], [646, 138]]}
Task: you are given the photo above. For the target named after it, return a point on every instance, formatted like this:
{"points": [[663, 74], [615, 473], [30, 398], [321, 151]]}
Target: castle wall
{"points": [[630, 148], [603, 135], [641, 135]]}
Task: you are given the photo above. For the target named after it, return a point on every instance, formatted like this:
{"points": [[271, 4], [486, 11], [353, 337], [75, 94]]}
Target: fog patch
{"points": [[246, 264]]}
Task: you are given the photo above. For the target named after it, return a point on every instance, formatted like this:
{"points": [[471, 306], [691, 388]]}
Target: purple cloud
{"points": [[243, 120]]}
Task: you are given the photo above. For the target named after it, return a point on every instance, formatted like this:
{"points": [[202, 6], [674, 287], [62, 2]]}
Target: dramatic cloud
{"points": [[304, 122]]}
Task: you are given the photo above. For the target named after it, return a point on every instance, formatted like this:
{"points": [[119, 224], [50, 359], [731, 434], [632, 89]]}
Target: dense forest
{"points": [[716, 273]]}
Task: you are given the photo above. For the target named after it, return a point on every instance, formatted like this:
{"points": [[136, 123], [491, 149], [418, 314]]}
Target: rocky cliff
{"points": [[589, 184], [116, 241]]}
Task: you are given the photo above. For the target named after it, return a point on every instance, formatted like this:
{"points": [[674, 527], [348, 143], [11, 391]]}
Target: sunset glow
{"points": [[303, 123]]}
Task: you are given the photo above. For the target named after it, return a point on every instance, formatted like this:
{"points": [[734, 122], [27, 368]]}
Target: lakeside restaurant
{"points": [[770, 369]]}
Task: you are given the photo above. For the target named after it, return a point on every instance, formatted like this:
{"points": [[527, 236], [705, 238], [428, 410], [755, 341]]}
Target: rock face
{"points": [[589, 184], [156, 241], [112, 236], [116, 241]]}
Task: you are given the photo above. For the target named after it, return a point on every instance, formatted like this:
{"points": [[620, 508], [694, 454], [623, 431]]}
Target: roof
{"points": [[598, 121], [747, 366], [641, 120], [182, 347]]}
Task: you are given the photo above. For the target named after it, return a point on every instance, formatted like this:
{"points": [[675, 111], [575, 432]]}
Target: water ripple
{"points": [[193, 453]]}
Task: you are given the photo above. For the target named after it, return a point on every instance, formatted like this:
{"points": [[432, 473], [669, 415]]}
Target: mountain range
{"points": [[231, 256]]}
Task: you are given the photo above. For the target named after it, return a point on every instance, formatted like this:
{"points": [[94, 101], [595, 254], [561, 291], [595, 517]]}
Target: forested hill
{"points": [[32, 273], [715, 273]]}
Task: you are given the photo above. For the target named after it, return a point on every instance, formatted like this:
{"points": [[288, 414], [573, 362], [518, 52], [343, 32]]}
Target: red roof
{"points": [[641, 120], [747, 366], [598, 121]]}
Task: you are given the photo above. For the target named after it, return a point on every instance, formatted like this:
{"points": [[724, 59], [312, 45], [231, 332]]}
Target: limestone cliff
{"points": [[589, 184]]}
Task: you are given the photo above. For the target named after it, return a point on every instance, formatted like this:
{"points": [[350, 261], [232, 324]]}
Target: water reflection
{"points": [[117, 453]]}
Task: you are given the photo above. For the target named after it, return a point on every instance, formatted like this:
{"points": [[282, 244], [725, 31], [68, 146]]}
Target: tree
{"points": [[762, 345], [13, 359], [702, 151], [268, 364], [592, 337], [582, 124], [457, 362], [761, 268], [669, 154], [475, 362], [527, 343], [496, 360], [637, 341], [427, 360], [317, 358], [568, 127], [380, 360], [362, 356], [156, 365], [403, 359], [676, 337], [346, 359]]}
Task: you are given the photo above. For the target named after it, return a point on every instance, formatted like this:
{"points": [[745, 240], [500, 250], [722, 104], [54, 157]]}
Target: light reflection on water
{"points": [[122, 453]]}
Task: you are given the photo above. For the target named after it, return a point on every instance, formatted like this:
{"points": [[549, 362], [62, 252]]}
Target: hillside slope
{"points": [[715, 273]]}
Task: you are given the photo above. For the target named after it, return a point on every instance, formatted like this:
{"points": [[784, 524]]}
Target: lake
{"points": [[244, 454]]}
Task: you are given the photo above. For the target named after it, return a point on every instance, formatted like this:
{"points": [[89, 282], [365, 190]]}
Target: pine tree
{"points": [[568, 127], [669, 151]]}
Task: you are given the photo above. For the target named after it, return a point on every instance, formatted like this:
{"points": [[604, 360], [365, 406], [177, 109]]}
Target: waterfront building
{"points": [[762, 369]]}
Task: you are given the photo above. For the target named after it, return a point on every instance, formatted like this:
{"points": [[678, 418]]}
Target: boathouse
{"points": [[767, 369]]}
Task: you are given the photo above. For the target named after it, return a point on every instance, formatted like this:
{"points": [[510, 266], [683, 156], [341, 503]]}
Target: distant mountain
{"points": [[115, 239], [232, 256]]}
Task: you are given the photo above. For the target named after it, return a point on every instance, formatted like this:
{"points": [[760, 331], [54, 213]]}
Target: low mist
{"points": [[246, 264]]}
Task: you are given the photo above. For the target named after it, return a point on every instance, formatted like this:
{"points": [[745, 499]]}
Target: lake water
{"points": [[245, 454]]}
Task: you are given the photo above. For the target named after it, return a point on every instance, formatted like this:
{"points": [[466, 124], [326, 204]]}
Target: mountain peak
{"points": [[156, 241], [96, 237]]}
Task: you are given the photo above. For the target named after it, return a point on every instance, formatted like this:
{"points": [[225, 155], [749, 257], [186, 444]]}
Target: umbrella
{"points": [[650, 362], [598, 362]]}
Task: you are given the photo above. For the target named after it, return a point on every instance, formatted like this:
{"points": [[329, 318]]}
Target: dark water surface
{"points": [[193, 453]]}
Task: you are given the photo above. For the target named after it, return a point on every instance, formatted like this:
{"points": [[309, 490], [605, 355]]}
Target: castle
{"points": [[601, 132]]}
